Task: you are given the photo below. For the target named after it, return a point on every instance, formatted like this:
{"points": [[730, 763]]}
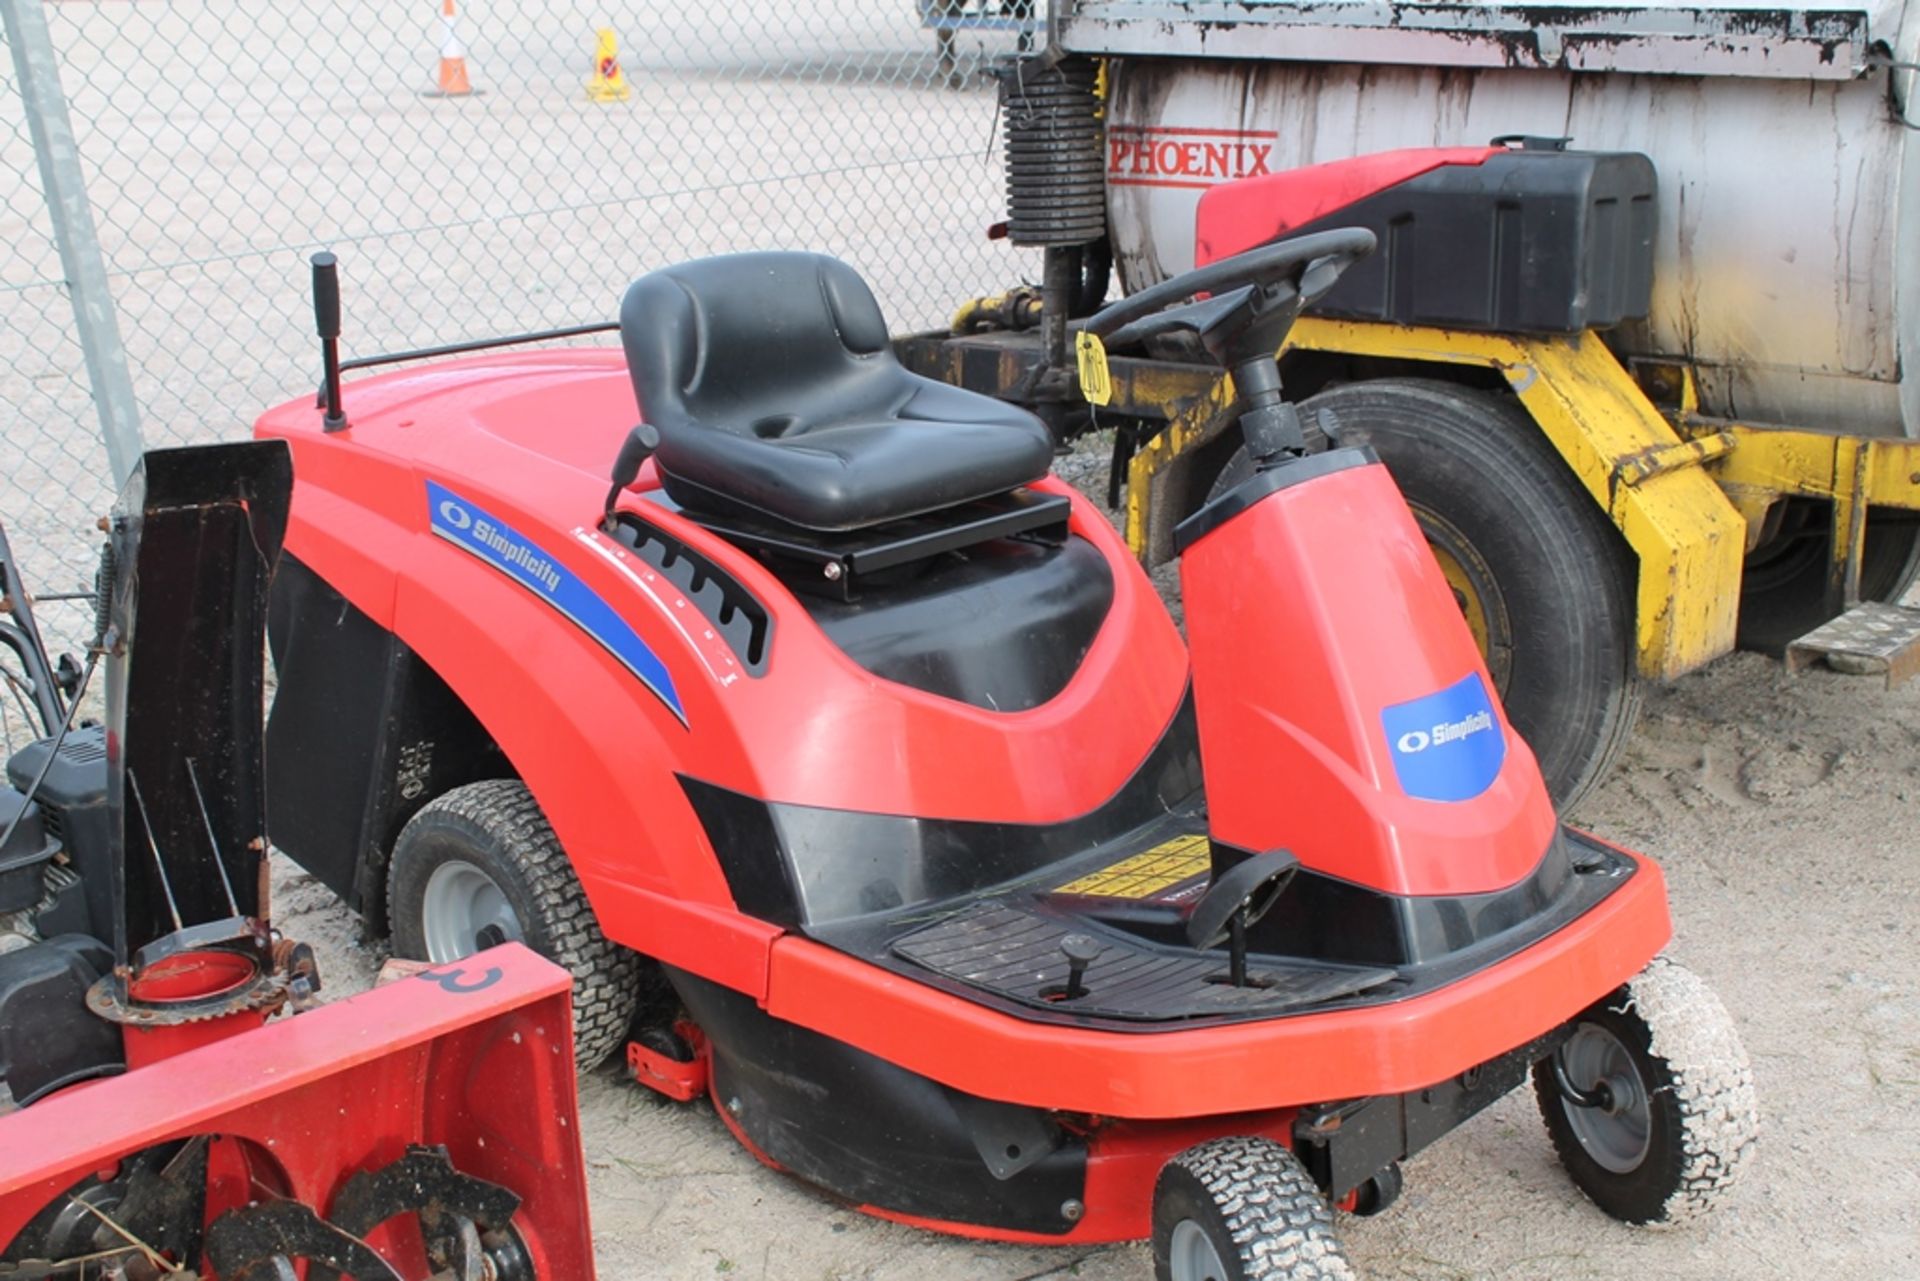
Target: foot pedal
{"points": [[1870, 637]]}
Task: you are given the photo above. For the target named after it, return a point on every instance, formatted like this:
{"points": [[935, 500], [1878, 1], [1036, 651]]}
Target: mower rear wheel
{"points": [[481, 865], [1243, 1209], [1650, 1103], [1544, 581]]}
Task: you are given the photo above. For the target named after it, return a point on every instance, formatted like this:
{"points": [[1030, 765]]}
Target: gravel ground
{"points": [[1786, 813]]}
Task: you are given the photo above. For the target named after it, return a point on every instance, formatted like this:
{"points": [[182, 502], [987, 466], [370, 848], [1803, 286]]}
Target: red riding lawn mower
{"points": [[153, 1121], [984, 902]]}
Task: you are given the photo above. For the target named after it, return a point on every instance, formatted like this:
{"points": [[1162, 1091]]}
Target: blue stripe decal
{"points": [[1448, 745], [478, 531]]}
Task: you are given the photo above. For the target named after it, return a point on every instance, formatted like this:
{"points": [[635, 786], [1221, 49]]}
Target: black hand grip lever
{"points": [[326, 320], [1080, 951], [634, 452], [326, 294]]}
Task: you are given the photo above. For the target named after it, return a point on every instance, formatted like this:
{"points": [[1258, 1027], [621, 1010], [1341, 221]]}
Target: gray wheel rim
{"points": [[1191, 1256], [1619, 1135], [461, 904]]}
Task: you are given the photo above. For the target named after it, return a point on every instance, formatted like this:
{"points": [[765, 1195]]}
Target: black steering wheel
{"points": [[1256, 295]]}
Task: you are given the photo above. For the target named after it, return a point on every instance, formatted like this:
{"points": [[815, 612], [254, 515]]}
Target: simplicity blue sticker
{"points": [[1447, 746], [465, 525]]}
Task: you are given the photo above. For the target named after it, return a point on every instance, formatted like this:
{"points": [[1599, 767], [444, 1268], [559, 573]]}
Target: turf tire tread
{"points": [[1277, 1218], [1705, 1086], [607, 978]]}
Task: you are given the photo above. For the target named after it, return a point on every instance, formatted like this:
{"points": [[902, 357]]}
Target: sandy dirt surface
{"points": [[1786, 813]]}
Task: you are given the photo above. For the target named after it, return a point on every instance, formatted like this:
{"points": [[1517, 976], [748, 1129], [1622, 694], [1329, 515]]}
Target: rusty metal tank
{"points": [[1789, 208]]}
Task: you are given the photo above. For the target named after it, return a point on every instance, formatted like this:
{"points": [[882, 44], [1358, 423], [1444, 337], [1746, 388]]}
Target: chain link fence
{"points": [[222, 143]]}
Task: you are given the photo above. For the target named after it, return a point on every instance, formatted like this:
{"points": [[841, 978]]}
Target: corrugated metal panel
{"points": [[1725, 39]]}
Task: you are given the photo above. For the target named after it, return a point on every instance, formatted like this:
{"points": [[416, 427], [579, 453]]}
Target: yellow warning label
{"points": [[1147, 874], [1096, 384]]}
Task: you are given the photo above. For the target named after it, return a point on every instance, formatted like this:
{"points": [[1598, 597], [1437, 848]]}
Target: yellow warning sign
{"points": [[1096, 383], [1147, 874]]}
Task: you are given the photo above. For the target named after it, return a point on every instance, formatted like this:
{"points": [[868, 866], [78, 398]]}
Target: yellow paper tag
{"points": [[1096, 384], [1147, 874]]}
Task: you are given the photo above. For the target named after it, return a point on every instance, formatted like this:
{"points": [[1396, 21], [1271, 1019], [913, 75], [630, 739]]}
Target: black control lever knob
{"points": [[1080, 951], [634, 452], [639, 446], [326, 321], [326, 295]]}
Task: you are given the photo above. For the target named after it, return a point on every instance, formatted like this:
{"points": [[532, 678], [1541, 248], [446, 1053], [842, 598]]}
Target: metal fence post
{"points": [[64, 185]]}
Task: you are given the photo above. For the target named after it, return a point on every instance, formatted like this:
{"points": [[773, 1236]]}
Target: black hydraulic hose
{"points": [[24, 639], [17, 685]]}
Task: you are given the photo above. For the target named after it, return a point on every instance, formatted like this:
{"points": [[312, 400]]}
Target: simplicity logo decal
{"points": [[1448, 745], [1419, 740], [485, 535], [461, 520]]}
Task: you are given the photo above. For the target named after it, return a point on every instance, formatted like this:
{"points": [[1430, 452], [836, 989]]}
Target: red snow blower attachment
{"points": [[167, 1127]]}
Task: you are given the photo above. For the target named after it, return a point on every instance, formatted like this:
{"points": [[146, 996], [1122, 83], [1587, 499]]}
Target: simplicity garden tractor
{"points": [[825, 735]]}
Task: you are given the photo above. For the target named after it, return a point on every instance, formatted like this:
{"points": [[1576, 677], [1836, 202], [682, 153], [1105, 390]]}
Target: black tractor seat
{"points": [[777, 397]]}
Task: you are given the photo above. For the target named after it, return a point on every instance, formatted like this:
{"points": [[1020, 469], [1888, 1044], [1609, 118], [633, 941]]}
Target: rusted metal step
{"points": [[1871, 637]]}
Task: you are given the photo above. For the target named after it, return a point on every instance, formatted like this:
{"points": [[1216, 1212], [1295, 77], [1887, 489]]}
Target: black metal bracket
{"points": [[831, 564], [1345, 1143], [1600, 1096]]}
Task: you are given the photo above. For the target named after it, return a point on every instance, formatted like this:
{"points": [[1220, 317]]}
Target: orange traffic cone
{"points": [[609, 83], [453, 59]]}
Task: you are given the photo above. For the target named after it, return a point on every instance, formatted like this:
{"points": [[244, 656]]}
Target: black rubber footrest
{"points": [[1016, 954]]}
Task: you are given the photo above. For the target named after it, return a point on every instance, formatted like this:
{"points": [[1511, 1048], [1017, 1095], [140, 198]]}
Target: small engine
{"points": [[53, 877]]}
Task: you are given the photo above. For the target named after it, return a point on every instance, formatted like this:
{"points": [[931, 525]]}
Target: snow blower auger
{"points": [[986, 903], [164, 1126]]}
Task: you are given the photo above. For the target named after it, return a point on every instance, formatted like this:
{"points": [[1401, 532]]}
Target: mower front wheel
{"points": [[1243, 1209], [480, 866], [1650, 1103]]}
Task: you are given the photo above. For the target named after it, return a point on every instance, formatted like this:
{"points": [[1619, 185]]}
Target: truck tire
{"points": [[481, 865], [1783, 593], [1544, 579]]}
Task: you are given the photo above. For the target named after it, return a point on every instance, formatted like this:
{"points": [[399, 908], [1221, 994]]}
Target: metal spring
{"points": [[1055, 152], [103, 593]]}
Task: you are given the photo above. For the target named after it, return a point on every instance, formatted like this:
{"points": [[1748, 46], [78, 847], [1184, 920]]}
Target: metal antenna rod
{"points": [[166, 886], [219, 860]]}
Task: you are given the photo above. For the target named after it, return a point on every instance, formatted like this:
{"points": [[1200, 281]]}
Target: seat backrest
{"points": [[762, 344]]}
